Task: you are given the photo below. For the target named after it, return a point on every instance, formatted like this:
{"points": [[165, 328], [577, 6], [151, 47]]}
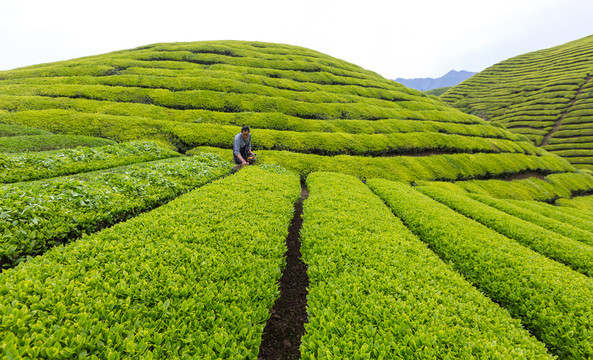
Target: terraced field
{"points": [[294, 99], [545, 95], [425, 232]]}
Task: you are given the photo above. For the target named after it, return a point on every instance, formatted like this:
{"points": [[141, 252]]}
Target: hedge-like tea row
{"points": [[136, 82], [562, 185], [264, 120], [18, 144], [584, 203], [377, 292], [188, 135], [551, 300], [18, 130], [576, 183], [574, 254], [354, 144], [370, 109], [43, 165], [536, 218], [409, 168], [575, 218], [194, 278], [525, 189], [39, 214], [145, 69]]}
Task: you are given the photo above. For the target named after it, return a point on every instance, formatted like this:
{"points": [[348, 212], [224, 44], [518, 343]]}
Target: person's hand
{"points": [[244, 163]]}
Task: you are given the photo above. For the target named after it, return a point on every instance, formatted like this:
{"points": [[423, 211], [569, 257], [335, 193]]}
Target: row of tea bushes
{"points": [[194, 278], [19, 130], [411, 139], [26, 143], [554, 186], [574, 254], [581, 219], [535, 217], [37, 215], [426, 120], [370, 109], [43, 165], [584, 203], [377, 292], [551, 300], [409, 168]]}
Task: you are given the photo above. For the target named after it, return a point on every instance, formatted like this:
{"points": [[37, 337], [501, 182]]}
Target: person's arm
{"points": [[236, 147], [249, 146]]}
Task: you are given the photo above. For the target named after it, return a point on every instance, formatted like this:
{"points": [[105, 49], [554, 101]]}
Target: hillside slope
{"points": [[546, 95], [463, 256], [295, 99]]}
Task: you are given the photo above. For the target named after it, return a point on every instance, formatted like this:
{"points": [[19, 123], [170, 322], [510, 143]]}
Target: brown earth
{"points": [[283, 331]]}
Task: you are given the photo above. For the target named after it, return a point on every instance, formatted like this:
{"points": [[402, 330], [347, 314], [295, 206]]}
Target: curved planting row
{"points": [[584, 204], [262, 120], [580, 219], [409, 168], [37, 215], [43, 165], [551, 300], [377, 292], [545, 95], [26, 143], [535, 217], [228, 102], [554, 186], [188, 135], [19, 130], [574, 254], [192, 279]]}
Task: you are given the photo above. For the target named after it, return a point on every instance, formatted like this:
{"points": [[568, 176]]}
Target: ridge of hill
{"points": [[295, 99], [451, 78], [546, 95]]}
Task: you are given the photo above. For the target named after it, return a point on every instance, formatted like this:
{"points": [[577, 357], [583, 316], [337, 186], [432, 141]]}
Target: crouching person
{"points": [[242, 147]]}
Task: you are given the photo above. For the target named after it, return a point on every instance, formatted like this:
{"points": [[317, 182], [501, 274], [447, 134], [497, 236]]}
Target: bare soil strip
{"points": [[524, 175], [546, 139], [283, 332]]}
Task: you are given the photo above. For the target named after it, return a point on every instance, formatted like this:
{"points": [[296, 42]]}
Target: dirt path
{"points": [[283, 332], [547, 137], [524, 175]]}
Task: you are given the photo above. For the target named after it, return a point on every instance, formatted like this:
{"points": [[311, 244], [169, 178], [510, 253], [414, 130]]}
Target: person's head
{"points": [[245, 132]]}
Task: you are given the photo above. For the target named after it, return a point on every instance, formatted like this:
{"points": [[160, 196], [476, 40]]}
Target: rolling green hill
{"points": [[426, 232], [298, 100], [546, 95]]}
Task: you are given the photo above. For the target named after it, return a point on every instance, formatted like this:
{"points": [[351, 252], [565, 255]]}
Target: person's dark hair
{"points": [[245, 128]]}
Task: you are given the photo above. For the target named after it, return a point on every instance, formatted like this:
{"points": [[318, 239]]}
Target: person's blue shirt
{"points": [[241, 144]]}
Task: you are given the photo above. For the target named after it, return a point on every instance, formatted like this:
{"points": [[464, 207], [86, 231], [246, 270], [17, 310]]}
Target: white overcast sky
{"points": [[398, 38]]}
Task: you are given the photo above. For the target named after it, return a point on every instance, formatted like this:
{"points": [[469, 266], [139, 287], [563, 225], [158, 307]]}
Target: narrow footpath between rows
{"points": [[283, 332], [556, 127]]}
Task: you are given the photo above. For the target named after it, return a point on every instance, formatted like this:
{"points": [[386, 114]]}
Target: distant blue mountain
{"points": [[452, 78]]}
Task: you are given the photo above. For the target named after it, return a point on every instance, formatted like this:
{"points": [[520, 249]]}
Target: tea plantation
{"points": [[427, 233], [546, 95]]}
